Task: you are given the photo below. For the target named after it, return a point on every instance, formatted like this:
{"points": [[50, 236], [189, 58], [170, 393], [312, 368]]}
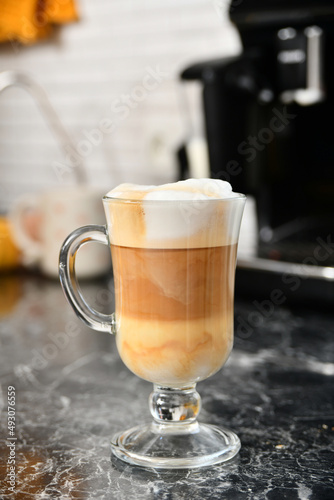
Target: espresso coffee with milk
{"points": [[174, 252]]}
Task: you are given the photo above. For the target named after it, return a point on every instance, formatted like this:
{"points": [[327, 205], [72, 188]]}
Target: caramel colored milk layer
{"points": [[175, 353], [174, 309]]}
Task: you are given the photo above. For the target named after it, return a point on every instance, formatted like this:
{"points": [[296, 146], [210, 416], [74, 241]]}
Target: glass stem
{"points": [[175, 409]]}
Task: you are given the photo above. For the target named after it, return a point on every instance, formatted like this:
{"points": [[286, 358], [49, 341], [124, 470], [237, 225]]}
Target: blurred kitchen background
{"points": [[86, 66], [104, 92]]}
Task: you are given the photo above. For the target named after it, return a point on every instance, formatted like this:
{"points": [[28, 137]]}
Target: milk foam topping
{"points": [[190, 189], [145, 222]]}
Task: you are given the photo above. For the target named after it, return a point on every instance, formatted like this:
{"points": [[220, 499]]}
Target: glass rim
{"points": [[238, 196]]}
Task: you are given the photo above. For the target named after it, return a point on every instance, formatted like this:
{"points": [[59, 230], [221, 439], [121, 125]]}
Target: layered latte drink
{"points": [[174, 252]]}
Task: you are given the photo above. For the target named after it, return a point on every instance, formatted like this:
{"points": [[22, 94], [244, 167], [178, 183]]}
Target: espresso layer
{"points": [[173, 284]]}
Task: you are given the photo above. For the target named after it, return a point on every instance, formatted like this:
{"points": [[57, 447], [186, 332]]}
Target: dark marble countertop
{"points": [[72, 393]]}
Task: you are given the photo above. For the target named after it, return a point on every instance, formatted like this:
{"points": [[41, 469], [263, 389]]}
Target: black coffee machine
{"points": [[269, 123]]}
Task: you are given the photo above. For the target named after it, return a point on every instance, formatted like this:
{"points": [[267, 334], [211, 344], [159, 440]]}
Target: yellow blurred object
{"points": [[10, 255], [28, 21], [10, 293]]}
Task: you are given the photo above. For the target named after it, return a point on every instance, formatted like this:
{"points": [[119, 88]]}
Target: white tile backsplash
{"points": [[89, 65]]}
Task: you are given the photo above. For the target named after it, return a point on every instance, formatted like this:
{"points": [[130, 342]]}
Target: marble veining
{"points": [[73, 393]]}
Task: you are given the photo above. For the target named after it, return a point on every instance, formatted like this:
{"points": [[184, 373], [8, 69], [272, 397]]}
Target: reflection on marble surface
{"points": [[73, 393]]}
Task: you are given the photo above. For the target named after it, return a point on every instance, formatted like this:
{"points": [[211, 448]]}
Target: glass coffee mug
{"points": [[174, 268]]}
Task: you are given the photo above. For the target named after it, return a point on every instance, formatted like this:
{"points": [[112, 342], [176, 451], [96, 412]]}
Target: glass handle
{"points": [[74, 241]]}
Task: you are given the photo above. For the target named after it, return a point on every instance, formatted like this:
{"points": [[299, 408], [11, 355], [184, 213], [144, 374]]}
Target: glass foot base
{"points": [[175, 446]]}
